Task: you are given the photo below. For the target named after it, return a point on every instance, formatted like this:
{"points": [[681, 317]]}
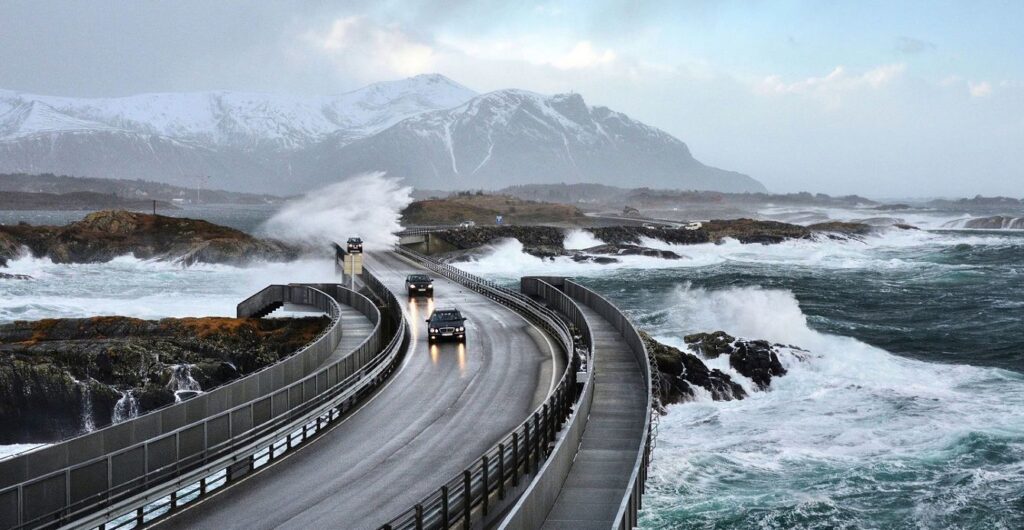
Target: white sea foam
{"points": [[142, 288], [848, 407], [886, 250], [14, 449], [577, 239]]}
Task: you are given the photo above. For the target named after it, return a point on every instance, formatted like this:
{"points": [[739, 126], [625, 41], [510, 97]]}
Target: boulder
{"points": [[756, 359], [681, 371]]}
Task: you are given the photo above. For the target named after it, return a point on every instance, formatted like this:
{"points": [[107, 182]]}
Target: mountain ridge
{"points": [[428, 129]]}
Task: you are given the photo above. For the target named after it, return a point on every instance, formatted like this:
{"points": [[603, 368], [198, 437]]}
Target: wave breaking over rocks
{"points": [[683, 372], [105, 235]]}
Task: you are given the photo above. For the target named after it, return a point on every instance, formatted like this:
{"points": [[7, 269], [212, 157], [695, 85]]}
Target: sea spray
{"points": [[88, 422], [182, 383], [577, 239], [126, 408], [368, 206], [144, 288]]}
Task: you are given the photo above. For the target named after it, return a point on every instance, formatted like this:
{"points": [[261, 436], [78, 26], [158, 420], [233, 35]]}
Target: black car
{"points": [[355, 245], [446, 324], [419, 284]]}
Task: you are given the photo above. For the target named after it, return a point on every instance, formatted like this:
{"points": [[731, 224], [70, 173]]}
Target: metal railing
{"points": [[494, 479], [536, 501], [130, 486], [626, 515]]}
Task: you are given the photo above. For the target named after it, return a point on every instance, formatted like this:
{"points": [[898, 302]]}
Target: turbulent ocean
{"points": [[908, 412]]}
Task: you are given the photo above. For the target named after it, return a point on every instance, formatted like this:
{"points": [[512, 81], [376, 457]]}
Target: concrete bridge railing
{"points": [[133, 472]]}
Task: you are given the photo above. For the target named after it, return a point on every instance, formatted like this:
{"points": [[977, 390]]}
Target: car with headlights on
{"points": [[446, 324], [419, 285]]}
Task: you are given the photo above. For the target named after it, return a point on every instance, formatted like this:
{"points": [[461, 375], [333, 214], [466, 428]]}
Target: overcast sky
{"points": [[884, 99]]}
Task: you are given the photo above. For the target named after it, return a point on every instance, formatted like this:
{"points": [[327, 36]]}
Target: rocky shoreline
{"points": [[549, 242], [62, 377], [104, 235], [683, 372]]}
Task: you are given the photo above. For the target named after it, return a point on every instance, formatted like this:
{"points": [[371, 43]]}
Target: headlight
{"points": [[460, 328], [433, 330]]}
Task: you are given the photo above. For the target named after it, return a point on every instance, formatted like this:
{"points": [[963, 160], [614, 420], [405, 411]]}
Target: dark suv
{"points": [[355, 245], [446, 324], [418, 284]]}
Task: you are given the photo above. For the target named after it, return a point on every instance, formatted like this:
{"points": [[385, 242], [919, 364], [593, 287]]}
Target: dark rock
{"points": [[631, 235], [586, 258], [632, 250], [758, 360], [681, 371], [840, 227], [710, 345], [542, 241], [102, 236], [6, 276], [45, 364], [903, 226]]}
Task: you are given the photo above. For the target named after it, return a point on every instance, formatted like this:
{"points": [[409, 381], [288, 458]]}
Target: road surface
{"points": [[438, 412]]}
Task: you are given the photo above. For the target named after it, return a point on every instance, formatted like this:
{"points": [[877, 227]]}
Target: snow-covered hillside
{"points": [[238, 119], [428, 129], [512, 137]]}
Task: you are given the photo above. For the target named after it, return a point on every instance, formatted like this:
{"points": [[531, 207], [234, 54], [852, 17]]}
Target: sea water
{"points": [[908, 412]]}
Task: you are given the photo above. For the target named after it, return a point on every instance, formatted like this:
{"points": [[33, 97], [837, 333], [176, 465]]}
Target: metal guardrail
{"points": [[536, 501], [493, 479], [133, 485], [626, 515]]}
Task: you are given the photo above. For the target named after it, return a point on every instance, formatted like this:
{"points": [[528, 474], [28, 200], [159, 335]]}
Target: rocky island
{"points": [[104, 235], [61, 377], [549, 242], [682, 372]]}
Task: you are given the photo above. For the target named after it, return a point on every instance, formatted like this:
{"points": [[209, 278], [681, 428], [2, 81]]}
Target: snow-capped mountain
{"points": [[241, 119], [428, 129], [517, 137]]}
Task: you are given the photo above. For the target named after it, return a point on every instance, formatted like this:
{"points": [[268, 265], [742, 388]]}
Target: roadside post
{"points": [[352, 265]]}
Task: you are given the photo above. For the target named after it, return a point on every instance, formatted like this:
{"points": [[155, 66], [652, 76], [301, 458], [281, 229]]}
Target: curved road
{"points": [[439, 411]]}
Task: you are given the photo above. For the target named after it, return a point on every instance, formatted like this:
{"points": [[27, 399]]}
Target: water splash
{"points": [[368, 206], [126, 408], [182, 383], [88, 423]]}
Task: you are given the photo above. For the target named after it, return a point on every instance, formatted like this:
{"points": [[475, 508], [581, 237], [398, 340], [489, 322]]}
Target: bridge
{"points": [[543, 419]]}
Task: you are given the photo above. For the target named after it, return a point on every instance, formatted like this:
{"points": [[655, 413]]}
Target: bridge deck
{"points": [[600, 474], [439, 412], [355, 327]]}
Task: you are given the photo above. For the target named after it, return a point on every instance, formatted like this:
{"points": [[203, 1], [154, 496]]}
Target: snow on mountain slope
{"points": [[518, 137], [430, 130], [251, 120], [27, 118]]}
